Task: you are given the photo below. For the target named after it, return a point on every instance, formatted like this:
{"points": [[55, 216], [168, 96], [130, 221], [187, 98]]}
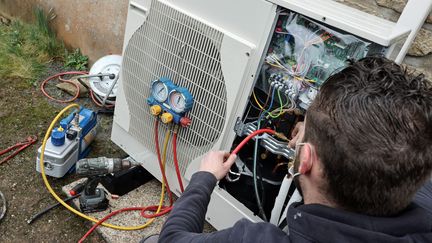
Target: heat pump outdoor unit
{"points": [[223, 52]]}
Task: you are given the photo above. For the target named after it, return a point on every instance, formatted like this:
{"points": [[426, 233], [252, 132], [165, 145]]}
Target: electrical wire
{"points": [[99, 101], [257, 196], [3, 205], [44, 211], [256, 101], [59, 75], [250, 136], [176, 164], [159, 207], [161, 166], [280, 109], [50, 189], [164, 208]]}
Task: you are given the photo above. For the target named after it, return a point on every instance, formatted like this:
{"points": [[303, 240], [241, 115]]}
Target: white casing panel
{"points": [[244, 41], [247, 27]]}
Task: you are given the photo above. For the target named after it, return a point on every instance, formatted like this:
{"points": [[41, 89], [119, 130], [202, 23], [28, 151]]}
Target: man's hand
{"points": [[218, 163], [296, 134]]}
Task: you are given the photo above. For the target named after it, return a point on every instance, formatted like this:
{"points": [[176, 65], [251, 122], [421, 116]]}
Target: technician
{"points": [[364, 151]]}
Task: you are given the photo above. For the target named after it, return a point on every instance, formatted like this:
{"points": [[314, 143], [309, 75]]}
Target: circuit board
{"points": [[303, 53]]}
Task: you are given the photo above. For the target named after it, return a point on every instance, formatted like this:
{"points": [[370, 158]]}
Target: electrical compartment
{"points": [[302, 53]]}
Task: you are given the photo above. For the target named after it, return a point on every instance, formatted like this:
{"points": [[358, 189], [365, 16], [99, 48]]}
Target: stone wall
{"points": [[420, 54], [95, 26]]}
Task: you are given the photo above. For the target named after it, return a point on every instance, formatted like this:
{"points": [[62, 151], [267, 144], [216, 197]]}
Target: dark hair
{"points": [[371, 125]]}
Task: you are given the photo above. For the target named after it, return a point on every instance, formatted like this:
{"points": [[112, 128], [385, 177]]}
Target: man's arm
{"points": [[188, 215], [186, 220]]}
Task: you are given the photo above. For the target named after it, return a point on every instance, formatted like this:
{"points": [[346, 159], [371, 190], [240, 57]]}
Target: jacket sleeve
{"points": [[186, 220]]}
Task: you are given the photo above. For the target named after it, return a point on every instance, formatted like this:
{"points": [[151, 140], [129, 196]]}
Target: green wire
{"points": [[280, 109]]}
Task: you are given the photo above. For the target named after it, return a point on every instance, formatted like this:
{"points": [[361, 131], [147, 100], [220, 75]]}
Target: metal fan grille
{"points": [[175, 45]]}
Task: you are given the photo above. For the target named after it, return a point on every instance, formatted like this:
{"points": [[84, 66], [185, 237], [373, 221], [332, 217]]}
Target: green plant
{"points": [[26, 49], [76, 60]]}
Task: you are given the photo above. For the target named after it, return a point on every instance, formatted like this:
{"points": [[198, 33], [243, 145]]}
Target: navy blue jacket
{"points": [[307, 223]]}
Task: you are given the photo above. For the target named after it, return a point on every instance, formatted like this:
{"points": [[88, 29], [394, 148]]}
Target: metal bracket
{"points": [[270, 143]]}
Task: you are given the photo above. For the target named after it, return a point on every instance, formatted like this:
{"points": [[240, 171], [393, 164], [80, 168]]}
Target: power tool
{"points": [[69, 142], [93, 199]]}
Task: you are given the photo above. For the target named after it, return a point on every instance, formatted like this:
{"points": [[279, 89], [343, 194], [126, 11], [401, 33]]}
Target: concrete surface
{"points": [[145, 195]]}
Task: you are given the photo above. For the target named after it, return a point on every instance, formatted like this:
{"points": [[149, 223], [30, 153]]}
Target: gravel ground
{"points": [[25, 111]]}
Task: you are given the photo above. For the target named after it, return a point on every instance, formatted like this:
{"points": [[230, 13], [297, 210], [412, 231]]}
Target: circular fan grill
{"points": [[174, 45]]}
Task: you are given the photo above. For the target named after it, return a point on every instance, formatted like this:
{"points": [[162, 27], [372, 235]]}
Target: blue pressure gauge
{"points": [[169, 101], [180, 100]]}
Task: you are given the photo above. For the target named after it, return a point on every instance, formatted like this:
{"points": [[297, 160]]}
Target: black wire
{"points": [[3, 206], [44, 211], [260, 178]]}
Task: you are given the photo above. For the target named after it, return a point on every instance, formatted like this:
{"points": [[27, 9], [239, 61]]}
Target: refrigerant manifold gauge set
{"points": [[170, 102]]}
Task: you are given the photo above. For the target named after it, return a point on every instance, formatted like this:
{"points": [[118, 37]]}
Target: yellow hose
{"points": [[48, 186]]}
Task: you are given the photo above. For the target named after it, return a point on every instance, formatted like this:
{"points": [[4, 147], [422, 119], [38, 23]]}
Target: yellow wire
{"points": [[256, 100], [48, 186]]}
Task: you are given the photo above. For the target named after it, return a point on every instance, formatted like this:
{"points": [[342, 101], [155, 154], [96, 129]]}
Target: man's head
{"points": [[369, 137]]}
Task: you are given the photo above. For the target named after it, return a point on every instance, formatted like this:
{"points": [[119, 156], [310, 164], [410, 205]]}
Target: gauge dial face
{"points": [[177, 101], [159, 91]]}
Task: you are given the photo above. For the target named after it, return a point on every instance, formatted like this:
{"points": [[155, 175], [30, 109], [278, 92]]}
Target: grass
{"points": [[27, 49]]}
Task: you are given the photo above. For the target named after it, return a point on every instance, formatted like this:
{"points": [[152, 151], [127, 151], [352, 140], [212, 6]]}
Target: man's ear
{"points": [[306, 159]]}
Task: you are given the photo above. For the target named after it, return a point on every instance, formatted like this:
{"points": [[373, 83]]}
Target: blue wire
{"points": [[261, 209]]}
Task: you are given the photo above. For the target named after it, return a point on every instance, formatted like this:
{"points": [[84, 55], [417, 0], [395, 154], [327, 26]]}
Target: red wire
{"points": [[143, 210], [176, 164], [105, 219], [154, 208], [58, 75], [240, 146], [97, 102], [167, 209], [161, 166]]}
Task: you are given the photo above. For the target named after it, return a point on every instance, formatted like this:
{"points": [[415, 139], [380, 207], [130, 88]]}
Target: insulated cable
{"points": [[50, 189], [59, 75], [159, 207], [3, 205], [176, 164], [256, 101], [280, 109], [250, 136], [46, 210], [257, 196]]}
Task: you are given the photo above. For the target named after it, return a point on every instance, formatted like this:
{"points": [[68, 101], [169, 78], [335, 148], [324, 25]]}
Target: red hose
{"points": [[176, 164], [240, 146], [143, 210], [58, 75], [105, 219], [168, 209], [160, 160], [92, 96]]}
